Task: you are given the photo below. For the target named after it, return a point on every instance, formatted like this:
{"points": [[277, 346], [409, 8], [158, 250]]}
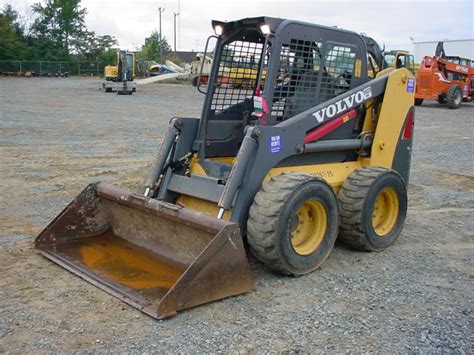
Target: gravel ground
{"points": [[58, 135]]}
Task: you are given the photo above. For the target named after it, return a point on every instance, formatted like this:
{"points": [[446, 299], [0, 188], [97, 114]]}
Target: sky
{"points": [[394, 24]]}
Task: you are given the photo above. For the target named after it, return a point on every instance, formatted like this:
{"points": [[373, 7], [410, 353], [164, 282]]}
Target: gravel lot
{"points": [[58, 135]]}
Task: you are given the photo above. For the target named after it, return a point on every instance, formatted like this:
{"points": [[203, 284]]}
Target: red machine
{"points": [[447, 79]]}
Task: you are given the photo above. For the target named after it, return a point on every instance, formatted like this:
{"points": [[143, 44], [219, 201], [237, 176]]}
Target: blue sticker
{"points": [[275, 144], [411, 85]]}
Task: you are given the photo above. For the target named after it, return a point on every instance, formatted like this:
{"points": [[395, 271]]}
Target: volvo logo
{"points": [[343, 104]]}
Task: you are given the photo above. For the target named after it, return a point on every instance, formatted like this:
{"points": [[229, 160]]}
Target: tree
{"points": [[12, 40], [63, 23], [152, 47], [107, 56], [93, 47]]}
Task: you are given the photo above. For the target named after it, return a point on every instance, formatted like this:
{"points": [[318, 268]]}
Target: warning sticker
{"points": [[275, 144], [411, 85]]}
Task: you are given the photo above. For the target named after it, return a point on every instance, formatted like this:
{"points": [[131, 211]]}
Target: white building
{"points": [[461, 47]]}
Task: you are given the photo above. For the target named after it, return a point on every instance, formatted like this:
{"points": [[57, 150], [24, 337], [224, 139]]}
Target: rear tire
{"points": [[418, 102], [293, 223], [373, 202], [454, 96]]}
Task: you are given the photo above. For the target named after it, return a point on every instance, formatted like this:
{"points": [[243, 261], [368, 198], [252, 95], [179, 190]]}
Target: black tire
{"points": [[105, 88], [195, 81], [418, 102], [273, 222], [454, 96], [442, 99], [358, 201]]}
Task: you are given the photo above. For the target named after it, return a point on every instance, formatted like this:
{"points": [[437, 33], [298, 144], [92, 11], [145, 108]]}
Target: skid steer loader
{"points": [[311, 150]]}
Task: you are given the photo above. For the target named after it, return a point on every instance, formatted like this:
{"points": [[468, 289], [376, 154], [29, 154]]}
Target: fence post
{"points": [[79, 69], [21, 69], [41, 71]]}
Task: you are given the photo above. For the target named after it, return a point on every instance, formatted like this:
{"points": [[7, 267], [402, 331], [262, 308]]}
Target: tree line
{"points": [[58, 32]]}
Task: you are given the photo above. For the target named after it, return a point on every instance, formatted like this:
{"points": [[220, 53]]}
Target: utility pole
{"points": [[160, 10], [175, 14], [179, 24]]}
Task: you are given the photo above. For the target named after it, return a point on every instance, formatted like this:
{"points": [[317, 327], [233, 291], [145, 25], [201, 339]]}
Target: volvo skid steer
{"points": [[308, 149]]}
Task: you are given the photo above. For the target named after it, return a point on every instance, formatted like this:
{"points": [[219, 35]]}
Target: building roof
{"points": [[186, 57]]}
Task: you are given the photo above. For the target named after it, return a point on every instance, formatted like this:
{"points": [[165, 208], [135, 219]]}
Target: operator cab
{"points": [[398, 59], [291, 65]]}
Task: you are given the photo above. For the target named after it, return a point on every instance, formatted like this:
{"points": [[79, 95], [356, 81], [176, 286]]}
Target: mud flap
{"points": [[156, 256]]}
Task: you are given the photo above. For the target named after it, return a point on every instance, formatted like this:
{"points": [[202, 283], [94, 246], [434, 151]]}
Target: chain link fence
{"points": [[51, 68]]}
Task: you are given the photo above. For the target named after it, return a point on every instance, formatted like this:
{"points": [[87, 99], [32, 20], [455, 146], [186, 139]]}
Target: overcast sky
{"points": [[390, 22]]}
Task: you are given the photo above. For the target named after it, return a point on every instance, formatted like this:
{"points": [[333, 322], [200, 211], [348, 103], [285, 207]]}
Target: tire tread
{"points": [[264, 214], [351, 201]]}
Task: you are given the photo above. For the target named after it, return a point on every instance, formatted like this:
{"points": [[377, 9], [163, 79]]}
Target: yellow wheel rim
{"points": [[310, 227], [385, 212]]}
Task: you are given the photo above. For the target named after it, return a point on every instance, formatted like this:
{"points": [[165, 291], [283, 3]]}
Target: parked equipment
{"points": [[445, 79], [314, 149], [119, 77], [201, 68], [400, 59]]}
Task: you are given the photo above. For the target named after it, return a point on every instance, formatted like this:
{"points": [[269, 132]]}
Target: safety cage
{"points": [[294, 72]]}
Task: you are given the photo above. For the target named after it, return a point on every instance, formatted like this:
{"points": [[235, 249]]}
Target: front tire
{"points": [[373, 202], [293, 223], [454, 96]]}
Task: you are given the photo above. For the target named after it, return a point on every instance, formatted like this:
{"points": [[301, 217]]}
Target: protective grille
{"points": [[296, 86], [338, 69], [302, 84], [237, 75]]}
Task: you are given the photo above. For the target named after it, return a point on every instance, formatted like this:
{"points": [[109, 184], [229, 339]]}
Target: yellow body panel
{"points": [[333, 173], [396, 104], [111, 71], [195, 168], [197, 204], [203, 206]]}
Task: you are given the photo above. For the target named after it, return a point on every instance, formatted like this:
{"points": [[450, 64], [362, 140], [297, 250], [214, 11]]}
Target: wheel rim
{"points": [[385, 212], [457, 97], [310, 227]]}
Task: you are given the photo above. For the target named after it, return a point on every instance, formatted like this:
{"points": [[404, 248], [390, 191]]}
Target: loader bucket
{"points": [[156, 256]]}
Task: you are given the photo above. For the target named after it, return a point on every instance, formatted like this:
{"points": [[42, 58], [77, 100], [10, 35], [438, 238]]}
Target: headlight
{"points": [[219, 30], [265, 29]]}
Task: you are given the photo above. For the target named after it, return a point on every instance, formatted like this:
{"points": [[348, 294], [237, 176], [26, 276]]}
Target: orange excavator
{"points": [[447, 79]]}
